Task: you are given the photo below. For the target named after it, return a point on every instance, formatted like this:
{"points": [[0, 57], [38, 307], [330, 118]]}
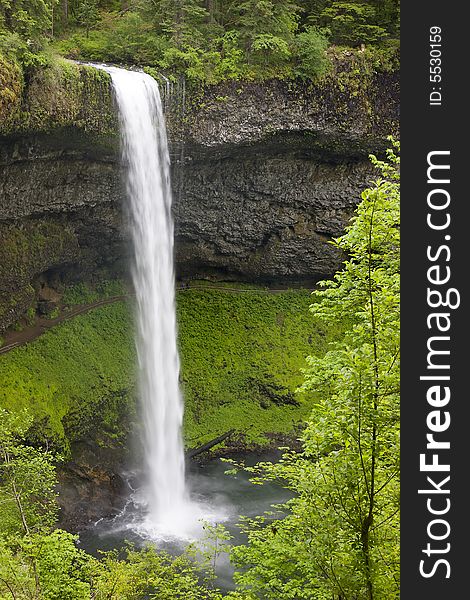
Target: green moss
{"points": [[11, 87], [31, 315], [85, 293], [28, 246], [65, 377], [241, 355], [63, 94], [25, 251], [55, 312]]}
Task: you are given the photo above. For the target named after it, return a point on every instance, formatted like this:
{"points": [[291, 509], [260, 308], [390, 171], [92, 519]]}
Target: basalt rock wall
{"points": [[264, 174]]}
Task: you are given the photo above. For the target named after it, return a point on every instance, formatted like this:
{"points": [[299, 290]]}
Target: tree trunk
{"points": [[208, 445], [65, 13]]}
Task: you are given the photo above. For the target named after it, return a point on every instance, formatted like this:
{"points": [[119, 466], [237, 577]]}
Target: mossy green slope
{"points": [[241, 357], [73, 377]]}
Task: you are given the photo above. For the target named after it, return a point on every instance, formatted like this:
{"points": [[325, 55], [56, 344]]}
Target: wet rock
{"points": [[264, 175], [90, 486]]}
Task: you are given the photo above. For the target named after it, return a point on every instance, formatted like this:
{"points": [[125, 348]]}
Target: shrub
{"points": [[310, 52]]}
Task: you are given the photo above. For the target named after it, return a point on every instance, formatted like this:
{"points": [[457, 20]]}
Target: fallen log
{"points": [[191, 453]]}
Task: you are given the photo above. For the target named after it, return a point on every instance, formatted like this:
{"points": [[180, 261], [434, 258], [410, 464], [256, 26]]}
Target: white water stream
{"points": [[146, 158]]}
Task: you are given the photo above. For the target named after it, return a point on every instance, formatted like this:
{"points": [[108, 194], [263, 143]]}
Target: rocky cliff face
{"points": [[263, 176], [261, 213]]}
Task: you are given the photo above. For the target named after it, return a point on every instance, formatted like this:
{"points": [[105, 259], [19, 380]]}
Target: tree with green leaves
{"points": [[31, 19], [27, 478], [388, 15], [310, 53], [39, 562], [25, 28], [340, 539], [35, 561], [148, 573], [44, 566], [384, 13], [180, 21]]}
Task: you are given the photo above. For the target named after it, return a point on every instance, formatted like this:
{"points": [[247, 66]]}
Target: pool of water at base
{"points": [[224, 497]]}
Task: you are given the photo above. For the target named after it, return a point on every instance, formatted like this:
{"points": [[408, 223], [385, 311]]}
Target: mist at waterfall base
{"points": [[225, 497]]}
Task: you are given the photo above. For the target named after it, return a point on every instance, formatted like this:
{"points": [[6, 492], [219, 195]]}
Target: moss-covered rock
{"points": [[11, 87], [241, 351], [350, 110], [263, 173], [27, 250], [60, 95], [242, 355], [72, 377]]}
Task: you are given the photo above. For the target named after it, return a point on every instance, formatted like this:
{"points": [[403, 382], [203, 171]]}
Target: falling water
{"points": [[145, 154]]}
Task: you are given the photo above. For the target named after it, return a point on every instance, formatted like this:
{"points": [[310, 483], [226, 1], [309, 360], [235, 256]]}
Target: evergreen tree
{"points": [[352, 15], [265, 27], [87, 14], [311, 11], [310, 52], [352, 23], [388, 14], [181, 21]]}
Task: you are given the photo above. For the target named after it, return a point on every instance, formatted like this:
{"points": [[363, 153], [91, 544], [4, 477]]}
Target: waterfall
{"points": [[146, 158]]}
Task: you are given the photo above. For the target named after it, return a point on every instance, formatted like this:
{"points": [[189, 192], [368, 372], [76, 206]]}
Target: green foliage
{"points": [[205, 40], [240, 352], [35, 561], [49, 566], [24, 28], [27, 477], [207, 551], [383, 57], [181, 22], [123, 39], [11, 84], [352, 23], [341, 536], [52, 566], [266, 30], [241, 356], [84, 293], [149, 574], [69, 378], [87, 14], [31, 20], [239, 39], [42, 563], [231, 64], [38, 562], [55, 312], [311, 47], [31, 315]]}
